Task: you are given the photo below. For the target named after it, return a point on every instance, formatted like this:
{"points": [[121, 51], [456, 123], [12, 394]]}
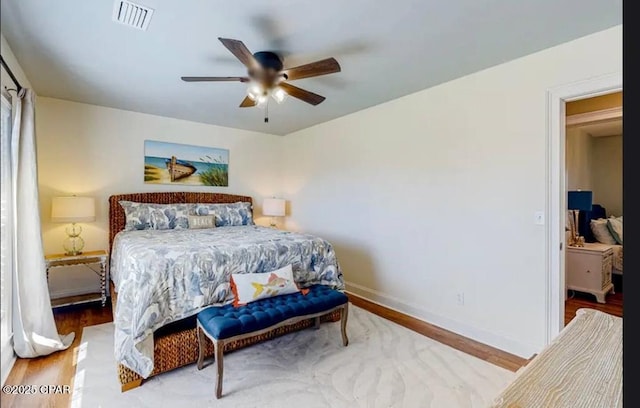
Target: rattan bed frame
{"points": [[176, 344]]}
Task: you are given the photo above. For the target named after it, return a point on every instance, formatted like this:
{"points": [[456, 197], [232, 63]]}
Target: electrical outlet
{"points": [[460, 298]]}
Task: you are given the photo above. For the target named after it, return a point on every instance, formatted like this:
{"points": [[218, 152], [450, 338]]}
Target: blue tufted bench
{"points": [[222, 324]]}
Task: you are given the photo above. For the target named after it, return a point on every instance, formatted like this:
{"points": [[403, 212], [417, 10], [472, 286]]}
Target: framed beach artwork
{"points": [[175, 163]]}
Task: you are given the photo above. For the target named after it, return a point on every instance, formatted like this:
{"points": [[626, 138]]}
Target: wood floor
{"points": [[480, 350], [577, 300], [59, 368]]}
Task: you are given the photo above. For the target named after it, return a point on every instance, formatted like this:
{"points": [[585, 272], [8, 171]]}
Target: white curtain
{"points": [[34, 329]]}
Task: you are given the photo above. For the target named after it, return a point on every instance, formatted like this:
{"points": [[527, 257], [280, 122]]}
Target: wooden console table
{"points": [[85, 258]]}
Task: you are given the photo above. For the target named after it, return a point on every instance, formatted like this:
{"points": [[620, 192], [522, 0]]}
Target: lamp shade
{"points": [[73, 209], [273, 207], [580, 200]]}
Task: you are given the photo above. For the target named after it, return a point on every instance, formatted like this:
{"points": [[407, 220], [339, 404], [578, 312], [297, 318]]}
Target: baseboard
{"points": [[74, 292], [504, 343], [8, 360]]}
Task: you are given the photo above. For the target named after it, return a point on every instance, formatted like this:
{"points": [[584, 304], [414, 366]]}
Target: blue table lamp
{"points": [[578, 201]]}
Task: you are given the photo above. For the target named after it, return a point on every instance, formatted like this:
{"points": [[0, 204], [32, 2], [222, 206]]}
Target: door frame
{"points": [[556, 200]]}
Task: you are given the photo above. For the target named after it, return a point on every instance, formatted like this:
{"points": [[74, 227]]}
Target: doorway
{"points": [[557, 99], [593, 180]]}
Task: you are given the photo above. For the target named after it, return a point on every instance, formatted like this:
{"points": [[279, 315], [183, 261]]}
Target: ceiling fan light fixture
{"points": [[278, 94], [254, 91], [262, 100]]}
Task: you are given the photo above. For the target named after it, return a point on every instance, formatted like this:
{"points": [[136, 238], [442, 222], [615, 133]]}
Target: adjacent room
{"points": [[329, 204], [594, 204]]}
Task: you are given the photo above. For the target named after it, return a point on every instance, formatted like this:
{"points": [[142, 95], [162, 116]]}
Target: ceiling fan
{"points": [[267, 77]]}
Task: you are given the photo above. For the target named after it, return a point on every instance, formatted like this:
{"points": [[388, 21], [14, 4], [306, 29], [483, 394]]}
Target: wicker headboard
{"points": [[116, 213]]}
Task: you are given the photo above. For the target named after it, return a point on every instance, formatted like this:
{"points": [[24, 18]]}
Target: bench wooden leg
{"points": [[131, 385], [201, 346], [219, 347], [344, 314]]}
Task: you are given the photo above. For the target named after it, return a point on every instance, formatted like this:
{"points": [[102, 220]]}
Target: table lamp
{"points": [[73, 210], [273, 207], [578, 201]]}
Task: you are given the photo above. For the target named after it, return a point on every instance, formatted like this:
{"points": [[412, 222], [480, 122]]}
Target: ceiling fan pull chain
{"points": [[266, 112]]}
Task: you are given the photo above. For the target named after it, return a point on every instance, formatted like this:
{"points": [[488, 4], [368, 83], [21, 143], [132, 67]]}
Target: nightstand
{"points": [[85, 258], [589, 269]]}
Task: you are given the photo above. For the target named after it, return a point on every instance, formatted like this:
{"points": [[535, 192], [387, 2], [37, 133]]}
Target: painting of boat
{"points": [[177, 163], [179, 168]]}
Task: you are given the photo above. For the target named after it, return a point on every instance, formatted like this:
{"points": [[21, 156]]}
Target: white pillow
{"points": [[615, 228], [601, 231], [249, 287]]}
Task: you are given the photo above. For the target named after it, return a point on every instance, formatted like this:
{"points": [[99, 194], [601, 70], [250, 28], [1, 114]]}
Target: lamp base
{"points": [[73, 244], [577, 241]]}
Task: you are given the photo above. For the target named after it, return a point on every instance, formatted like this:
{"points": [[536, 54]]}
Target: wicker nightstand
{"points": [[86, 258]]}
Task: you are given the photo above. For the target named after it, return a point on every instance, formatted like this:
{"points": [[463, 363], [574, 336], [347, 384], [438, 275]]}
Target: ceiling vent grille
{"points": [[131, 14]]}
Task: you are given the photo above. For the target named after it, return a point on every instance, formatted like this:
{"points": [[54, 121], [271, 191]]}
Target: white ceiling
{"points": [[71, 49]]}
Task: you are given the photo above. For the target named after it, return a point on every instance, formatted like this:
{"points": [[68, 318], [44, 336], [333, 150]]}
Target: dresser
{"points": [[589, 269]]}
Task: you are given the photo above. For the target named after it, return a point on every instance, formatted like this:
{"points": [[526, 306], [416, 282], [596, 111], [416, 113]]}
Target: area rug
{"points": [[384, 365]]}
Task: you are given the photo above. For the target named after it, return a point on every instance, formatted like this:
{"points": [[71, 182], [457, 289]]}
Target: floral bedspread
{"points": [[617, 258], [162, 276]]}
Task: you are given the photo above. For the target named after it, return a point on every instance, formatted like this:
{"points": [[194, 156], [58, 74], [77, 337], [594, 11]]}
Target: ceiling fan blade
{"points": [[301, 94], [241, 52], [247, 102], [322, 67], [214, 79]]}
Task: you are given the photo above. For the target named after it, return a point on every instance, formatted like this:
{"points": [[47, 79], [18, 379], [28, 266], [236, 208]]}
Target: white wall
{"points": [[595, 163], [579, 146], [607, 173], [96, 151], [6, 348], [434, 194]]}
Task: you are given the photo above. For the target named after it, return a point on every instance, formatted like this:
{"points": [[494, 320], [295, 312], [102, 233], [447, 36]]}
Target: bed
{"points": [[599, 212], [617, 259], [160, 279]]}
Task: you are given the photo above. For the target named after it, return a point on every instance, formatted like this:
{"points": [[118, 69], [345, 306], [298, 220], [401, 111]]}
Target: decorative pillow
{"points": [[601, 232], [143, 216], [615, 228], [202, 221], [227, 214], [249, 287]]}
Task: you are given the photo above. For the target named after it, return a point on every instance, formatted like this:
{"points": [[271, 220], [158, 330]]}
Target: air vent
{"points": [[131, 14]]}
